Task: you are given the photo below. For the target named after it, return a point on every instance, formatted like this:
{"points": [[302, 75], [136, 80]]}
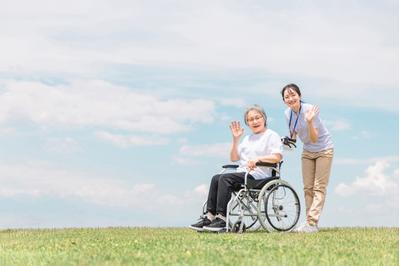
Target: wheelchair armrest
{"points": [[230, 166], [273, 165]]}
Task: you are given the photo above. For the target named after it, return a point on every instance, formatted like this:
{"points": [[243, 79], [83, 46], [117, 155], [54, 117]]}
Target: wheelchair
{"points": [[269, 203]]}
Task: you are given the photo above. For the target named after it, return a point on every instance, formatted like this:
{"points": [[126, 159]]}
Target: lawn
{"points": [[178, 246]]}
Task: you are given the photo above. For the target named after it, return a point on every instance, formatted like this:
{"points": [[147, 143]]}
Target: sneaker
{"points": [[199, 226], [308, 229], [299, 228], [216, 226]]}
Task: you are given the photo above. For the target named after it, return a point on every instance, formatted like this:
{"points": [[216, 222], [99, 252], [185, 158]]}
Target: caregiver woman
{"points": [[304, 123]]}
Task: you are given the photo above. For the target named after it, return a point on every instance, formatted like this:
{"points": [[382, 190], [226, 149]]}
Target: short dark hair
{"points": [[291, 86]]}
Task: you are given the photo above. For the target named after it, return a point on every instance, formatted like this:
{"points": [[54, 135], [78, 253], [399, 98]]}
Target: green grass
{"points": [[177, 246]]}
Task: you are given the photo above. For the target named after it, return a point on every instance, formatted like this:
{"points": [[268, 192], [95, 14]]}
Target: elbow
{"points": [[234, 159], [277, 159], [314, 139]]}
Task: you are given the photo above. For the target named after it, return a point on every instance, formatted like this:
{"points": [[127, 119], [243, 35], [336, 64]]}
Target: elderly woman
{"points": [[263, 145]]}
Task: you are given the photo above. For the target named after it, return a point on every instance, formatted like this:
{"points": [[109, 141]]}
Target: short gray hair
{"points": [[258, 109]]}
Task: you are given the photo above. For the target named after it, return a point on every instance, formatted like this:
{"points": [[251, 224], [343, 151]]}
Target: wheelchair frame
{"points": [[253, 203]]}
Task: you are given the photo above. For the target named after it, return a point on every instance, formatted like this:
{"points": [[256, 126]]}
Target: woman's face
{"points": [[291, 99], [256, 122]]}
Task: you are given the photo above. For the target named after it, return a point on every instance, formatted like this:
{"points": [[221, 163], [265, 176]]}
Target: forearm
{"points": [[312, 132], [273, 158], [234, 151]]}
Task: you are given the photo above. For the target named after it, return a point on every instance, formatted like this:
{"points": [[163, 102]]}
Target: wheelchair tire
{"points": [[279, 207]]}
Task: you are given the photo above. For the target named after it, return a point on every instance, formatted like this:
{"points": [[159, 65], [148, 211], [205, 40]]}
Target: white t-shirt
{"points": [[256, 145], [324, 141]]}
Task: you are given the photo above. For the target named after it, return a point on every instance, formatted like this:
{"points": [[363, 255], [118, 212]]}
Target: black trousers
{"points": [[221, 188]]}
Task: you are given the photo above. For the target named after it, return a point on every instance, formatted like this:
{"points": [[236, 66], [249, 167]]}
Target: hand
{"points": [[251, 164], [236, 130], [311, 113]]}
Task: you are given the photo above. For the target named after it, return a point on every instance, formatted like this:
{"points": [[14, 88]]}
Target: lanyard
{"points": [[295, 123]]}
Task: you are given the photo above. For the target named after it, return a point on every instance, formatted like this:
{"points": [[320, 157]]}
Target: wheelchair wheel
{"points": [[279, 207], [282, 206], [242, 208]]}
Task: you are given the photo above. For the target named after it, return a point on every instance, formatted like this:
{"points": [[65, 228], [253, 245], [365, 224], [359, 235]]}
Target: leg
{"points": [[322, 173], [211, 206], [308, 170], [212, 195], [228, 183]]}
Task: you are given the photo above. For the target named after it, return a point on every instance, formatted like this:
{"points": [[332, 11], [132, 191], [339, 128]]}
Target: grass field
{"points": [[178, 246]]}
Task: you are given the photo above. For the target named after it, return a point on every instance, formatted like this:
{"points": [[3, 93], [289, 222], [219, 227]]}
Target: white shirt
{"points": [[256, 145], [324, 141]]}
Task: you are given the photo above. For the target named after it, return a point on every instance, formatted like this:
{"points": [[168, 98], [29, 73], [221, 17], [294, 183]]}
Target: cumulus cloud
{"points": [[65, 145], [375, 181], [338, 125], [125, 141], [77, 38], [373, 160], [42, 179], [100, 104]]}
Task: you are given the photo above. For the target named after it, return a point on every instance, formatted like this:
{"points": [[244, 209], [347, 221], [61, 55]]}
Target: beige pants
{"points": [[316, 168]]}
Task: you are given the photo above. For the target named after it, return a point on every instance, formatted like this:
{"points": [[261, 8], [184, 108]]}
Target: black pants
{"points": [[221, 188]]}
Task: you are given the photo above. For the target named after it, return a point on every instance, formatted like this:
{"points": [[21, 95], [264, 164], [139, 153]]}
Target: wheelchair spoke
{"points": [[281, 208]]}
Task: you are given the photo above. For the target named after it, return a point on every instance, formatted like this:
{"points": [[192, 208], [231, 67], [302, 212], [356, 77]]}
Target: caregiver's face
{"points": [[291, 99]]}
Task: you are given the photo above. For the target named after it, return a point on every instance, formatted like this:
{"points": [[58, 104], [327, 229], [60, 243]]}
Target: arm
{"points": [[272, 158], [312, 131], [237, 132]]}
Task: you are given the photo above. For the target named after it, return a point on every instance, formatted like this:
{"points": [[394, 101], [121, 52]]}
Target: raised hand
{"points": [[311, 113], [236, 129]]}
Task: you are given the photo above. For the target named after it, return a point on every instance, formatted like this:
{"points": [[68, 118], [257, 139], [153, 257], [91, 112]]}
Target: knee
{"points": [[215, 179], [223, 179], [320, 189], [308, 190]]}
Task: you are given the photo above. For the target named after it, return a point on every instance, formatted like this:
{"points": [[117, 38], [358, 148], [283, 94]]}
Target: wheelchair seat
{"points": [[259, 183]]}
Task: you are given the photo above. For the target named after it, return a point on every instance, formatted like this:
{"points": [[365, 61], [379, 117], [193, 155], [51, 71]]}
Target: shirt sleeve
{"points": [[275, 144]]}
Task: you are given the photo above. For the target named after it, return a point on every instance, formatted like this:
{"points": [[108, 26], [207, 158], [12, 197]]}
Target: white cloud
{"points": [[362, 135], [202, 190], [65, 145], [206, 150], [357, 161], [125, 141], [235, 102], [100, 104], [193, 154], [375, 182], [77, 38], [338, 125], [41, 179]]}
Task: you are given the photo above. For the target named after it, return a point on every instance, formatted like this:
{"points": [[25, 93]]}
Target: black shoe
{"points": [[199, 226], [216, 226]]}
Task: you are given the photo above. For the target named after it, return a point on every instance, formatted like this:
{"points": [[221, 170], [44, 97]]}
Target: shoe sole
{"points": [[198, 229], [214, 229]]}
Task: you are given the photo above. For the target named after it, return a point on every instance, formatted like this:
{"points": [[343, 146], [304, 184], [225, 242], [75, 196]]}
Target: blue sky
{"points": [[116, 113]]}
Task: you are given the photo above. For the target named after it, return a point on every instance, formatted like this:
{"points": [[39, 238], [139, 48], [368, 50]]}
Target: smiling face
{"points": [[255, 121], [292, 99]]}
